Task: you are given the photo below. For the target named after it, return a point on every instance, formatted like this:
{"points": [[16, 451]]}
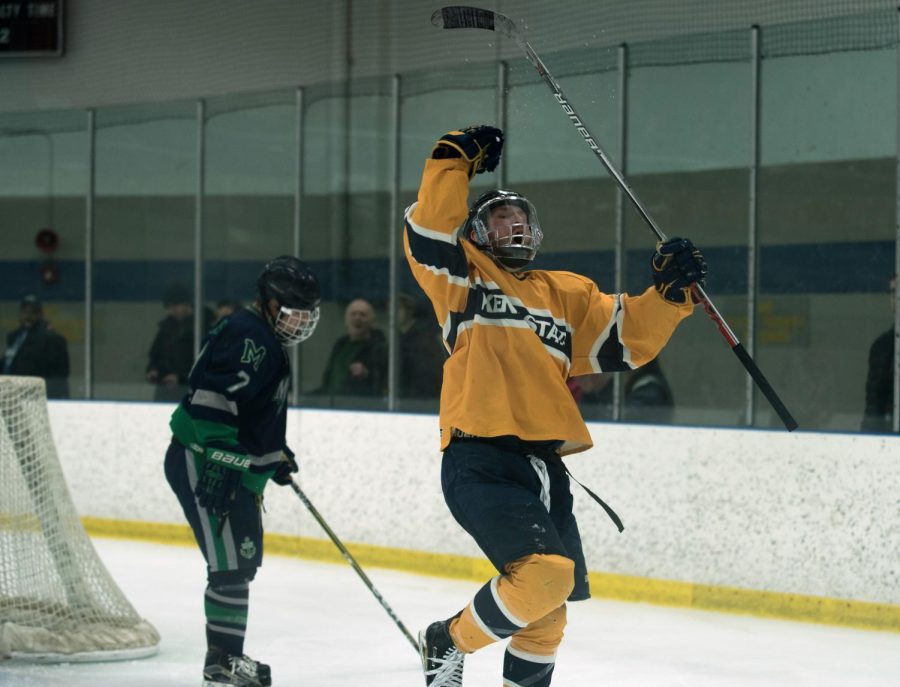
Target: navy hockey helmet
{"points": [[504, 225], [295, 288]]}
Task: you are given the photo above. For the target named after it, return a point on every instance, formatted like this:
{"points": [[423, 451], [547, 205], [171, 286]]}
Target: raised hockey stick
{"points": [[352, 561], [460, 17]]}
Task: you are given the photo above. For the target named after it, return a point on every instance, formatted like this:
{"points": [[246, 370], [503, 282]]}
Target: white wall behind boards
{"points": [[798, 513]]}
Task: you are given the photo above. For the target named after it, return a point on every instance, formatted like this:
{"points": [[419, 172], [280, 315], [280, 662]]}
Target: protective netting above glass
{"points": [[581, 38]]}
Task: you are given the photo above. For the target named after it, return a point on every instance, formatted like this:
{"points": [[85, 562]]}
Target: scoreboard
{"points": [[31, 28]]}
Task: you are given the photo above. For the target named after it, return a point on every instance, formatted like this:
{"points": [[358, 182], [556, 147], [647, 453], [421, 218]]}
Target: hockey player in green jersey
{"points": [[228, 442]]}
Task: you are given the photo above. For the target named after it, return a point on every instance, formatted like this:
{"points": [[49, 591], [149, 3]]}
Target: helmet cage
{"points": [[512, 243], [293, 325], [293, 286]]}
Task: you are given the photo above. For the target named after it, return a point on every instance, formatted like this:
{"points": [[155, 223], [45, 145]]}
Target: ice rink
{"points": [[319, 626]]}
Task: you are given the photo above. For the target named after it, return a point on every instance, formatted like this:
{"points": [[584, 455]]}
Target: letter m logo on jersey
{"points": [[253, 354]]}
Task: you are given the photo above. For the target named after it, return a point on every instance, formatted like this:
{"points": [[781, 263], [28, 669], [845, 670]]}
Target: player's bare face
{"points": [[508, 226]]}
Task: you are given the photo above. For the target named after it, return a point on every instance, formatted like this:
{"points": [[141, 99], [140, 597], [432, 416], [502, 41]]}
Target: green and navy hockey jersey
{"points": [[237, 398]]}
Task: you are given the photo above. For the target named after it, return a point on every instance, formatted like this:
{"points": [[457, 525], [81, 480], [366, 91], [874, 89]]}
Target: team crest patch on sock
{"points": [[248, 548]]}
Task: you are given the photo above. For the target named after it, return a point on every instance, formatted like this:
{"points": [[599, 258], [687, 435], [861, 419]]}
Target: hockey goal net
{"points": [[57, 600]]}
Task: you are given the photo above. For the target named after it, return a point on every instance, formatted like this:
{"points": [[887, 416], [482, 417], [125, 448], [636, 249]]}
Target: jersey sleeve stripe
{"points": [[213, 417], [451, 238], [438, 257], [265, 459], [445, 273], [609, 354], [213, 399]]}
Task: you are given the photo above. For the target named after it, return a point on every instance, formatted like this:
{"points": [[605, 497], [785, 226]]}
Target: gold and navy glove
{"points": [[480, 146], [677, 265], [287, 466]]}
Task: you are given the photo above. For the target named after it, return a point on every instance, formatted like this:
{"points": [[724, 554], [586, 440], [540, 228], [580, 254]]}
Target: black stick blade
{"points": [[462, 17]]}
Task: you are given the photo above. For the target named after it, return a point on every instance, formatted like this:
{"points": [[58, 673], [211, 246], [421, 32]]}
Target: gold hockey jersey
{"points": [[514, 339]]}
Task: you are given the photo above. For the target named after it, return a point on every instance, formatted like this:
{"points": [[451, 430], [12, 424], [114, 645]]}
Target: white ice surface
{"points": [[319, 626]]}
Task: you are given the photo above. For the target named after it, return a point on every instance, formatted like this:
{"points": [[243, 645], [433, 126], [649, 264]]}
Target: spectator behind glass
{"points": [[35, 350], [357, 365], [172, 352], [224, 308], [422, 353], [648, 396], [878, 415]]}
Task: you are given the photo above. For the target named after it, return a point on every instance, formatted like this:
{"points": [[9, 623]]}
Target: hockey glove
{"points": [[216, 487], [287, 467], [677, 264], [479, 145]]}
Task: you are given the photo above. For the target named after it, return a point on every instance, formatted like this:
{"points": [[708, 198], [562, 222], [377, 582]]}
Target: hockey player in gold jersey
{"points": [[507, 417]]}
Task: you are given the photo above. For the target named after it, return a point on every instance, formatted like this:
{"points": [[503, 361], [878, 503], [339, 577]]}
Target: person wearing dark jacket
{"points": [[648, 396], [422, 354], [879, 411], [35, 350], [172, 351], [357, 365]]}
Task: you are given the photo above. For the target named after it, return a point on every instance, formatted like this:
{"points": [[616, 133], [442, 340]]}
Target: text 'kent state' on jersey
{"points": [[238, 396], [514, 339]]}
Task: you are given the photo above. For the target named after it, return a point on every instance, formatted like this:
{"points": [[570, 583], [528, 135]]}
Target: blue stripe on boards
{"points": [[19, 278], [828, 268]]}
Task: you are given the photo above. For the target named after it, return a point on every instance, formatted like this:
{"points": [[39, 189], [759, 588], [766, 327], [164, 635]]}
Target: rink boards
{"points": [[801, 525]]}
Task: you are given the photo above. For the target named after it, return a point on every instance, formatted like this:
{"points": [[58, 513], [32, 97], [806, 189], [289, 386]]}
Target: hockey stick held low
{"points": [[461, 17], [353, 564]]}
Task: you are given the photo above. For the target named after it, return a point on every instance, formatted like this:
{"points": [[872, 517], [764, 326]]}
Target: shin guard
{"points": [[531, 588], [531, 654]]}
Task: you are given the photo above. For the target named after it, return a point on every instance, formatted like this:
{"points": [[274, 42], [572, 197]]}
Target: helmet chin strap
{"points": [[267, 316], [271, 321], [508, 262], [512, 264]]}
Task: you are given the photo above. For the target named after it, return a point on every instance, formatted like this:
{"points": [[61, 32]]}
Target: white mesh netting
{"points": [[57, 600]]}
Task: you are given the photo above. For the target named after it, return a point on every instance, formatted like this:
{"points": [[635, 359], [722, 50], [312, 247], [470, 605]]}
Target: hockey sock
{"points": [[531, 587], [534, 671], [226, 616], [531, 654]]}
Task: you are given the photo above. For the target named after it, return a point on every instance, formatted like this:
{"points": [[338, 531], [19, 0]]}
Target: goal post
{"points": [[57, 600]]}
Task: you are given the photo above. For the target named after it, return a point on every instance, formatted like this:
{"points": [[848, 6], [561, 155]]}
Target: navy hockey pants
{"points": [[238, 548], [513, 498]]}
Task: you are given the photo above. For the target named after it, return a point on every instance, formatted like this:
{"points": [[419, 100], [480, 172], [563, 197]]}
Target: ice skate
{"points": [[222, 668], [441, 660]]}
